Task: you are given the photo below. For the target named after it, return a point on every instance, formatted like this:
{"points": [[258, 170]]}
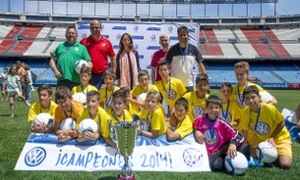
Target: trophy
{"points": [[126, 132]]}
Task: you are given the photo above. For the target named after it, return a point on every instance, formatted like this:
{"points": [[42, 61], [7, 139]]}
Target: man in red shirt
{"points": [[99, 48], [164, 41]]}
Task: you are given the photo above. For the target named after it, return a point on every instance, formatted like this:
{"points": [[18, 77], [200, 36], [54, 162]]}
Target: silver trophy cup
{"points": [[126, 132]]}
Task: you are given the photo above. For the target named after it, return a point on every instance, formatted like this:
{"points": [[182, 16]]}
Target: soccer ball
{"points": [[45, 118], [265, 96], [68, 123], [78, 65], [79, 97], [141, 97], [237, 165], [266, 152], [87, 125]]}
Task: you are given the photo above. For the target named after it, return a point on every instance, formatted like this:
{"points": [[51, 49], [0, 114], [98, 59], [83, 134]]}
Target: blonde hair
{"points": [[243, 65], [153, 93]]}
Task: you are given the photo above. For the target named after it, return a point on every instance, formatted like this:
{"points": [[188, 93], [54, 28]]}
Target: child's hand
{"points": [[199, 136], [272, 141], [89, 135], [73, 133], [231, 152]]}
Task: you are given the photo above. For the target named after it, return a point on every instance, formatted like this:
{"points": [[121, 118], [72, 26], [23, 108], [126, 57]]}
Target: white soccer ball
{"points": [[87, 125], [79, 97], [78, 65], [266, 152], [67, 124], [141, 97], [265, 96], [45, 118], [237, 165]]}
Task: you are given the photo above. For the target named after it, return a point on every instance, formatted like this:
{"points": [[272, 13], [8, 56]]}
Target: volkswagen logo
{"points": [[35, 156]]}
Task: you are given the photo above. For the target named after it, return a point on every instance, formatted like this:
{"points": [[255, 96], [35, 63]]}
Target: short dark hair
{"points": [[143, 72], [46, 87], [184, 28], [226, 84], [214, 100], [121, 93], [202, 76], [93, 93], [182, 101], [163, 63], [63, 92], [251, 89]]}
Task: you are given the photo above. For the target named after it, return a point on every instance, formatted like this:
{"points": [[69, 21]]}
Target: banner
{"points": [[44, 152], [145, 35]]}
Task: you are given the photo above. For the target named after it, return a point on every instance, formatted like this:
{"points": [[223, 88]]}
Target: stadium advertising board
{"points": [[44, 152]]}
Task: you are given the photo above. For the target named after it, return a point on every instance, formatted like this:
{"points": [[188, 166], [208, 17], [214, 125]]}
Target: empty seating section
{"points": [[223, 35], [20, 47], [240, 35], [53, 46], [246, 50], [293, 49], [262, 50], [218, 76], [213, 49], [228, 50], [253, 35], [271, 35], [4, 30], [210, 35], [287, 34], [289, 76], [43, 33], [38, 48], [30, 32], [6, 44], [265, 76], [58, 32], [279, 50]]}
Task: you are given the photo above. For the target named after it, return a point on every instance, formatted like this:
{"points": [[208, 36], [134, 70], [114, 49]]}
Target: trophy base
{"points": [[122, 177]]}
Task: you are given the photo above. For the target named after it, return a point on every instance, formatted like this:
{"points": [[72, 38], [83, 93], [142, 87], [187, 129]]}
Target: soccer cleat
{"points": [[255, 162]]}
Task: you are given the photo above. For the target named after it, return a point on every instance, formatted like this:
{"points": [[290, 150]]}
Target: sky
{"points": [[284, 7]]}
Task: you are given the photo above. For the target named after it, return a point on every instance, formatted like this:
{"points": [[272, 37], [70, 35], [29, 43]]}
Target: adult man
{"points": [[99, 49], [183, 57], [64, 58], [164, 41]]}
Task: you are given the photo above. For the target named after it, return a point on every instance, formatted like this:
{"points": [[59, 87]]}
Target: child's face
{"points": [[65, 104], [252, 100], [44, 98], [180, 112], [92, 103], [241, 75], [126, 41], [164, 71], [144, 81], [118, 105], [109, 81], [151, 103], [213, 110], [202, 86], [13, 70], [85, 78], [225, 92]]}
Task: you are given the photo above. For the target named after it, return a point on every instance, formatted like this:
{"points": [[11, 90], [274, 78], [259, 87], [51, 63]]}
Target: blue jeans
{"points": [[97, 79]]}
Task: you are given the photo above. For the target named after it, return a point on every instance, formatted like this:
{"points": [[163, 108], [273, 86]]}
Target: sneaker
{"points": [[28, 104], [253, 162], [12, 115]]}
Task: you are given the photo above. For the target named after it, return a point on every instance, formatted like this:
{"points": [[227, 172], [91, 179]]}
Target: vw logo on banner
{"points": [[35, 156]]}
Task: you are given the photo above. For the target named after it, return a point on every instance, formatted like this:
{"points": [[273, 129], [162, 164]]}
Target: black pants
{"points": [[67, 83]]}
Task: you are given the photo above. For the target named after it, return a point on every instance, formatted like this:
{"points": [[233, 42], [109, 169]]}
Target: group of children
{"points": [[238, 121]]}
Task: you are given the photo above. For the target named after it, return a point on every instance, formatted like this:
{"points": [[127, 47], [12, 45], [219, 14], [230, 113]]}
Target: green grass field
{"points": [[15, 131]]}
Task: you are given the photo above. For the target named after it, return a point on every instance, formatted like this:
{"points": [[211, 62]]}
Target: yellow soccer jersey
{"points": [[105, 97], [36, 109], [237, 93], [171, 91], [230, 111], [107, 130], [196, 105], [136, 91], [156, 120], [264, 123], [185, 127], [101, 117], [61, 115], [85, 90]]}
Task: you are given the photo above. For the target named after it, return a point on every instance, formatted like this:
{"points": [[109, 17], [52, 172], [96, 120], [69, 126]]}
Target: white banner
{"points": [[145, 35], [43, 152]]}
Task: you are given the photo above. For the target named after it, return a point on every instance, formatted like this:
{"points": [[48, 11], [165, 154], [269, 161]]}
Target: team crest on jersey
{"points": [[113, 133], [262, 128], [228, 116], [198, 110], [240, 100], [210, 137], [171, 94]]}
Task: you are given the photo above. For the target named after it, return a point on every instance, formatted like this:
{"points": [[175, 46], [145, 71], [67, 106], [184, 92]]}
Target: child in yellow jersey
{"points": [[118, 113], [263, 122], [67, 108], [242, 70], [154, 115], [44, 105], [95, 112], [142, 87], [181, 125], [106, 92], [197, 98], [84, 87], [169, 87], [230, 110]]}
